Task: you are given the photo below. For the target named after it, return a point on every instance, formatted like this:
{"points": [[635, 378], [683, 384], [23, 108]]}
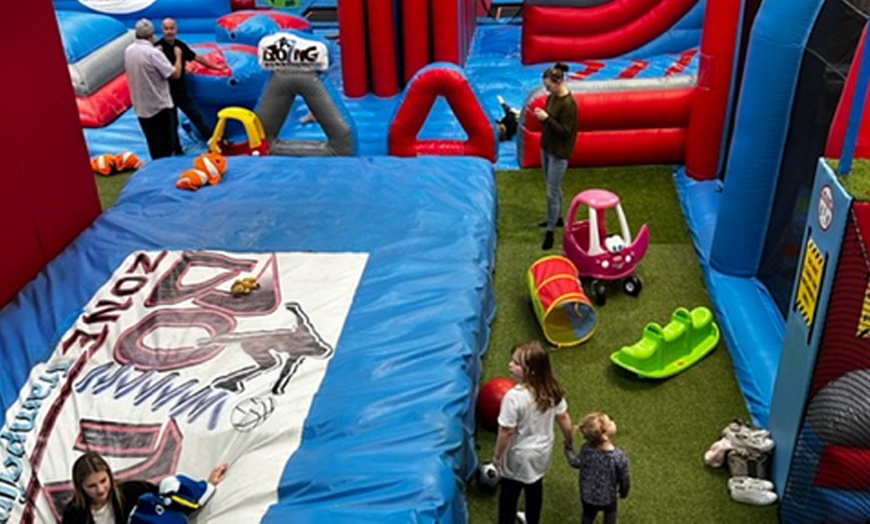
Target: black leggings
{"points": [[590, 511], [509, 496]]}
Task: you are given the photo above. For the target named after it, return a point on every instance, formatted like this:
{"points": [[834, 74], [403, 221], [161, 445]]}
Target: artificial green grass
{"points": [[109, 186], [857, 182], [665, 426]]}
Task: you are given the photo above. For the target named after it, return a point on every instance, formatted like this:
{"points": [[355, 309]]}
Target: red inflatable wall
{"points": [[47, 190], [619, 128], [552, 33]]}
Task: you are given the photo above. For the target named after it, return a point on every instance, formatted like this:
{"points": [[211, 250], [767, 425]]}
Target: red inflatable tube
{"points": [[102, 107], [549, 45], [834, 147], [284, 20], [447, 31], [354, 50], [238, 5], [383, 51], [415, 28], [571, 21], [616, 147], [419, 99], [597, 111], [709, 107]]}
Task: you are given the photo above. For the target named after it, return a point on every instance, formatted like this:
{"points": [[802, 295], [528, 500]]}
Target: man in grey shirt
{"points": [[148, 74]]}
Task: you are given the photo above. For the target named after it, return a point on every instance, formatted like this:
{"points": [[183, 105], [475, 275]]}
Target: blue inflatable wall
{"points": [[193, 16]]}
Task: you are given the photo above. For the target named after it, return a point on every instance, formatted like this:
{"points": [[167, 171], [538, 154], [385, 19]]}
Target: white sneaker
{"points": [[521, 517], [749, 483], [742, 492]]}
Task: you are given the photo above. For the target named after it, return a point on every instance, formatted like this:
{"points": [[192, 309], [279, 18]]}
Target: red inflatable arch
{"points": [[448, 81]]}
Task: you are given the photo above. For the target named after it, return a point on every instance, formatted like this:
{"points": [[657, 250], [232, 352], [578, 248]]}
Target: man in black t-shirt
{"points": [[177, 88]]}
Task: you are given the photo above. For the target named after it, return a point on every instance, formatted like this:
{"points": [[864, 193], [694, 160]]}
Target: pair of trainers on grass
{"points": [[751, 490], [746, 448]]}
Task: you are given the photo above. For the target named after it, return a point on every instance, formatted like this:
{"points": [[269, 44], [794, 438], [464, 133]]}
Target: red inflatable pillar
{"points": [[415, 26], [354, 51], [47, 190], [452, 30], [383, 51], [707, 120]]}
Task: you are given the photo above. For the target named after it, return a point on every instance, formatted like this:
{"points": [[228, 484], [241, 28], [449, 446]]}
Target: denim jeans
{"points": [[554, 171]]}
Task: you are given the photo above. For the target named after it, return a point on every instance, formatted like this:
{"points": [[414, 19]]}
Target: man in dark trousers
{"points": [[147, 73], [177, 88]]}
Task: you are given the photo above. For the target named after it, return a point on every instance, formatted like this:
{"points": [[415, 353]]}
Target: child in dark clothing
{"points": [[604, 469], [508, 124]]}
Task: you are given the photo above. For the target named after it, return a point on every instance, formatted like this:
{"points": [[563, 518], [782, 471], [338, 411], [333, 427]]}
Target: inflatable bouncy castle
{"points": [[368, 244]]}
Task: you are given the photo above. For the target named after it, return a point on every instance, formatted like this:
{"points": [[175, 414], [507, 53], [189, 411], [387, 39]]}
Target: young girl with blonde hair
{"points": [[604, 470], [524, 444]]}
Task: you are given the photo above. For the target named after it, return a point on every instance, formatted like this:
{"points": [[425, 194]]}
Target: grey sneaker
{"points": [[521, 517], [749, 483], [738, 427], [744, 462], [742, 435], [749, 493]]}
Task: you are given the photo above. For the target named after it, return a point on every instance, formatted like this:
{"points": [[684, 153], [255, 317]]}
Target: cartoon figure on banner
{"points": [[265, 347]]}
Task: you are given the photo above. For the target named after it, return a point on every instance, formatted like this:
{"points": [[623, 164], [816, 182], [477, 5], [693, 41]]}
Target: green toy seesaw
{"points": [[665, 351]]}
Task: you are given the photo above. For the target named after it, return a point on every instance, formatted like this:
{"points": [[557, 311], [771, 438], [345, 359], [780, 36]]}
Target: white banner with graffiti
{"points": [[181, 361]]}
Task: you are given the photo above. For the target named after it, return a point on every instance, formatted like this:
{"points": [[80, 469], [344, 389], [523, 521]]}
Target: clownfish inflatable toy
{"points": [[103, 164], [208, 168], [109, 164]]}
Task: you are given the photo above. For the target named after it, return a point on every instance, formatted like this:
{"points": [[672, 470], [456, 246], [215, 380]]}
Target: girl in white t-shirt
{"points": [[525, 434]]}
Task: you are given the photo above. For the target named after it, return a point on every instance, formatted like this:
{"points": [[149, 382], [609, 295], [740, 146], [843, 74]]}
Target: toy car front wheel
{"points": [[632, 285], [598, 292]]}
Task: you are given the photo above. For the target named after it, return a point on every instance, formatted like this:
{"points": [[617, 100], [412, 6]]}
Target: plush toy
{"points": [[177, 498], [109, 164], [103, 164], [208, 168], [213, 165], [127, 161], [244, 286], [192, 179]]}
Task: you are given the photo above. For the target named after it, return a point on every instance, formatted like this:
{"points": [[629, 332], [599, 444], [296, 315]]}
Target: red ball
{"points": [[489, 401]]}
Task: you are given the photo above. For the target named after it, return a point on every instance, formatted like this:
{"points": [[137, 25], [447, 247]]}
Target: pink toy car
{"points": [[597, 255]]}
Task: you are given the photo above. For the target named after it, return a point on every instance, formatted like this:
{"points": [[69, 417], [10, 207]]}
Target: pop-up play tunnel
{"points": [[563, 309]]}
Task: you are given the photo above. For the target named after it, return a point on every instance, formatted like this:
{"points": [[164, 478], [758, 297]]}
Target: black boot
{"points": [[548, 241], [559, 223]]}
